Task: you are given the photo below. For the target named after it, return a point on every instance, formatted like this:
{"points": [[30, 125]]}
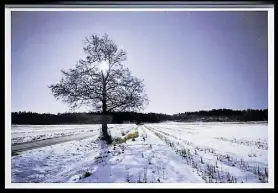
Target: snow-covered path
{"points": [[27, 133], [52, 141], [140, 161]]}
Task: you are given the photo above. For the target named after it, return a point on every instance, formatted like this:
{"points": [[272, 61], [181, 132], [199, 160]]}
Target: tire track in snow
{"points": [[228, 158], [207, 171], [174, 163]]}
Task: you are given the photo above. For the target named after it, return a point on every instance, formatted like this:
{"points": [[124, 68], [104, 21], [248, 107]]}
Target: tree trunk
{"points": [[104, 128]]}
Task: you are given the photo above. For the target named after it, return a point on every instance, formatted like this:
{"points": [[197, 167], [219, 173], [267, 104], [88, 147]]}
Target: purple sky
{"points": [[189, 60]]}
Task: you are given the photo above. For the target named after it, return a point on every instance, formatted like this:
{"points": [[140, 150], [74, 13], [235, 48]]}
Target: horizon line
{"points": [[146, 112]]}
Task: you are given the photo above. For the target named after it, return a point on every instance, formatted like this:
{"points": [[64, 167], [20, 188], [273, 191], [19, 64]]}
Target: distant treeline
{"points": [[84, 118], [223, 115]]}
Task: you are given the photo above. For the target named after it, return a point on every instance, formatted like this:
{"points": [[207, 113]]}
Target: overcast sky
{"points": [[189, 60]]}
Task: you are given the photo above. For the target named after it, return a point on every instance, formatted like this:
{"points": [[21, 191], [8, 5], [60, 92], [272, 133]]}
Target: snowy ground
{"points": [[165, 152], [26, 133]]}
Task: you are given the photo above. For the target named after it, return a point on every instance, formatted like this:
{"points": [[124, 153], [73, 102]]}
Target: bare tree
{"points": [[105, 90]]}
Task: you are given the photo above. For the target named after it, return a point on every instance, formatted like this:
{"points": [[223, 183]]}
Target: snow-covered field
{"points": [[27, 133], [165, 152]]}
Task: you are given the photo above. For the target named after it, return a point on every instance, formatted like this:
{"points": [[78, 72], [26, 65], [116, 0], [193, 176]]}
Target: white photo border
{"points": [[8, 184]]}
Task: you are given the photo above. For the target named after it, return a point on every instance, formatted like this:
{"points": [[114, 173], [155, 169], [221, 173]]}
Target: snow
{"points": [[26, 133], [215, 140], [163, 153]]}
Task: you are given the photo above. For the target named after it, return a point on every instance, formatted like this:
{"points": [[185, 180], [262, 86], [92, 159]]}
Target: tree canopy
{"points": [[107, 90]]}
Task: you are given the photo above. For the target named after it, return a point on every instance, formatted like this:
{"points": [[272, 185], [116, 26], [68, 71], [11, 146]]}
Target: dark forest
{"points": [[214, 115]]}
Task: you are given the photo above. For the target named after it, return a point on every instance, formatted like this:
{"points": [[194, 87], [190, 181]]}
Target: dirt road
{"points": [[47, 142]]}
